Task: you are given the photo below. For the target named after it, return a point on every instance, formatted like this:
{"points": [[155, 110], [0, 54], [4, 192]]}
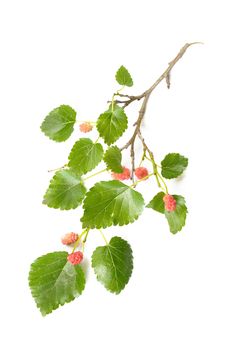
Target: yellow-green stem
{"points": [[78, 240], [99, 172], [103, 236]]}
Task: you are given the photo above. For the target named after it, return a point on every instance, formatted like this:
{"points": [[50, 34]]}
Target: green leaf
{"points": [[113, 264], [157, 203], [113, 158], [111, 203], [54, 281], [112, 124], [58, 125], [66, 190], [176, 219], [85, 156], [173, 165], [123, 77]]}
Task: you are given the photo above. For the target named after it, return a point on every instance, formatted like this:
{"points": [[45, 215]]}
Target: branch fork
{"points": [[145, 96]]}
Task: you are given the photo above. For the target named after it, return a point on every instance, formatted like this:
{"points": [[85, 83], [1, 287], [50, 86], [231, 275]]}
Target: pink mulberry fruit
{"points": [[141, 173], [69, 238], [85, 127], [169, 202], [125, 175], [75, 258]]}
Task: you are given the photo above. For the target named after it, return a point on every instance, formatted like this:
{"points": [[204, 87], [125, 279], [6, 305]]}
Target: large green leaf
{"points": [[123, 77], [113, 158], [111, 203], [112, 124], [176, 219], [173, 165], [113, 264], [85, 155], [54, 281], [66, 190], [157, 203], [58, 125]]}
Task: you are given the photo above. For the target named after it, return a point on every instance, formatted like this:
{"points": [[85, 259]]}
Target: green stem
{"points": [[148, 158], [78, 240], [99, 172], [60, 168], [161, 178], [155, 169], [119, 90], [157, 174], [84, 240], [86, 236], [157, 177], [103, 236], [144, 178], [143, 157], [115, 94]]}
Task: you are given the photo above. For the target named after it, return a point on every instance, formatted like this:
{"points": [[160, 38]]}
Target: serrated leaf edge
{"points": [[175, 177], [57, 207], [102, 136], [59, 304], [46, 134], [108, 167], [93, 144], [121, 224], [185, 217], [123, 67], [131, 260]]}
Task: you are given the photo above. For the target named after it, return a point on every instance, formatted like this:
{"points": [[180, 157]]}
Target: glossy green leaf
{"points": [[113, 158], [112, 124], [85, 155], [123, 77], [58, 125], [176, 219], [66, 190], [113, 264], [111, 203], [54, 281], [173, 165], [157, 203]]}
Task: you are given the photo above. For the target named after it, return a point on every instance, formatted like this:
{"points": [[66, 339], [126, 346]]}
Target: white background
{"points": [[67, 52]]}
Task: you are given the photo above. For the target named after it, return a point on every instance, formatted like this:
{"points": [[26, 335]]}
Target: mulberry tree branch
{"points": [[145, 96]]}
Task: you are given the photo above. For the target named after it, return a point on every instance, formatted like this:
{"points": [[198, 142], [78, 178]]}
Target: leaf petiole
{"points": [[79, 239], [56, 169], [161, 178], [99, 172], [144, 178], [103, 236], [113, 97], [84, 240]]}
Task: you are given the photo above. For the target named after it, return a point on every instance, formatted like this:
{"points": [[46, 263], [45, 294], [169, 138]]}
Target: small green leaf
{"points": [[66, 190], [58, 125], [157, 203], [111, 203], [176, 219], [85, 156], [173, 165], [112, 124], [113, 264], [54, 281], [123, 77], [113, 158]]}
